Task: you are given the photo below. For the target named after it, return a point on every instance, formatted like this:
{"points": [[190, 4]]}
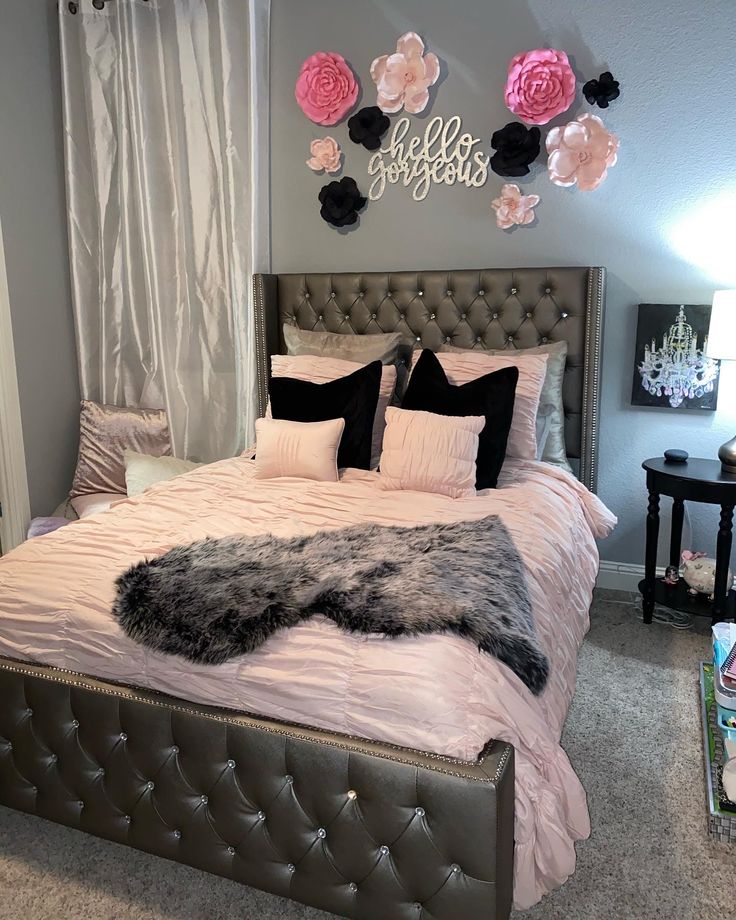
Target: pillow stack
{"points": [[462, 414]]}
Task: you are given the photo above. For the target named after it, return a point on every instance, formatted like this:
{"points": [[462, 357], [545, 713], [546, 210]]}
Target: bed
{"points": [[358, 788]]}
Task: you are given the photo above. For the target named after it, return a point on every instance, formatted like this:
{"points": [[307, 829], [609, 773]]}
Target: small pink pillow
{"points": [[323, 369], [424, 452], [463, 367], [303, 450]]}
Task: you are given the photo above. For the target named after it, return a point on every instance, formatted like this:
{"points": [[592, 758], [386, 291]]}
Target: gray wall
{"points": [[32, 207], [675, 118]]}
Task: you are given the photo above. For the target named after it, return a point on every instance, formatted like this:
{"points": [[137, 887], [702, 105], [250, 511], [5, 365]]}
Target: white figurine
{"points": [[699, 573]]}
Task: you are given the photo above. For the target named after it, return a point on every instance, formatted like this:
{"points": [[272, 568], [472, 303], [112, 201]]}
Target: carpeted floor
{"points": [[633, 735]]}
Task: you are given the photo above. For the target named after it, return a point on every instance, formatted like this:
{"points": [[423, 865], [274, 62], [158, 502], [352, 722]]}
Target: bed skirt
{"points": [[360, 828]]}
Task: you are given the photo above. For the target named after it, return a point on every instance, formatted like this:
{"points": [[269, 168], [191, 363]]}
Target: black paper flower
{"points": [[341, 201], [601, 91], [368, 126], [516, 148]]}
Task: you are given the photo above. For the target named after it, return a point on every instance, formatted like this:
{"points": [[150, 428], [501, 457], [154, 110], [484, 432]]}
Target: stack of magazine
{"points": [[724, 691]]}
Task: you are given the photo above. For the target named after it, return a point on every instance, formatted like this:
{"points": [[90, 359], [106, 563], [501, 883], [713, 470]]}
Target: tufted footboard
{"points": [[363, 829]]}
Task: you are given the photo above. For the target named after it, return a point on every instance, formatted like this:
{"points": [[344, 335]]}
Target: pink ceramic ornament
{"points": [[403, 78], [540, 85], [512, 208], [325, 155], [326, 88], [581, 152]]}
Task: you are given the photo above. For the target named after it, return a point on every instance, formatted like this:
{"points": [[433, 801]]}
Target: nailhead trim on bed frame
{"points": [[356, 827]]}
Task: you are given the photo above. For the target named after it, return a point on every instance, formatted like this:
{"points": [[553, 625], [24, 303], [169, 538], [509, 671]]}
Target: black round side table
{"points": [[696, 481]]}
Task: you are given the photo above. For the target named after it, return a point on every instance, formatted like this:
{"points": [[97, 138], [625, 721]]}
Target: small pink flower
{"points": [[540, 85], [326, 88], [581, 151], [513, 208], [403, 79], [325, 155]]}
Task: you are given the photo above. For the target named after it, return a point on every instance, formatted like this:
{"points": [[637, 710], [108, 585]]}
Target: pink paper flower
{"points": [[540, 85], [325, 155], [326, 89], [513, 208], [403, 79], [581, 152]]}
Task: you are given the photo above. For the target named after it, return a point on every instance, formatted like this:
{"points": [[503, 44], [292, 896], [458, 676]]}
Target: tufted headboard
{"points": [[489, 308]]}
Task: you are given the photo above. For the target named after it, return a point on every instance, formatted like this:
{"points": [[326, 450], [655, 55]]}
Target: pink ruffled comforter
{"points": [[435, 693]]}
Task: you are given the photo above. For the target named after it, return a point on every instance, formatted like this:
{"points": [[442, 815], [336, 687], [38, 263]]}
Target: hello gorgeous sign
{"points": [[441, 156]]}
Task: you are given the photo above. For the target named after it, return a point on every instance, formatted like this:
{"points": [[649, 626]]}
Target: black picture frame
{"points": [[677, 358]]}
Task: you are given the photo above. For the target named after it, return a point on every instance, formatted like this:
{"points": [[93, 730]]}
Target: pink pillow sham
{"points": [[424, 452], [321, 369], [462, 367], [302, 450]]}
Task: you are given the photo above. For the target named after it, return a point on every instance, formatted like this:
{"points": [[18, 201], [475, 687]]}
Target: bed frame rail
{"points": [[363, 829]]}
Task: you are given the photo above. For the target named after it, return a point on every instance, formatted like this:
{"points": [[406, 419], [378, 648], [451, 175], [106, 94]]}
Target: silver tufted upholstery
{"points": [[365, 830], [489, 308]]}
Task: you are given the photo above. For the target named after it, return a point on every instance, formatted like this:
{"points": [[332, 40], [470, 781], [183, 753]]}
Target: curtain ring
{"points": [[98, 4], [72, 7]]}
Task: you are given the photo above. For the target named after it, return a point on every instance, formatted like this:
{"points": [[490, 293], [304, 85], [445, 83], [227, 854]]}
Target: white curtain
{"points": [[165, 110]]}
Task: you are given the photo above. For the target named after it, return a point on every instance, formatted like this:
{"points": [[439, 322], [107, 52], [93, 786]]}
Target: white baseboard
{"points": [[621, 576]]}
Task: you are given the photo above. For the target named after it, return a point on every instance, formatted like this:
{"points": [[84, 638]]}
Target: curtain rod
{"points": [[73, 5]]}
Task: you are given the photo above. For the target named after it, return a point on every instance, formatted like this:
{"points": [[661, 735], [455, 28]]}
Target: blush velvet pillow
{"points": [[353, 398], [425, 452], [491, 396], [104, 433], [319, 369], [462, 368], [303, 450]]}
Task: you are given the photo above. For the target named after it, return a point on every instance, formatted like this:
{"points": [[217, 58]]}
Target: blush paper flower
{"points": [[403, 78], [540, 85], [326, 88], [512, 208], [581, 152], [325, 155]]}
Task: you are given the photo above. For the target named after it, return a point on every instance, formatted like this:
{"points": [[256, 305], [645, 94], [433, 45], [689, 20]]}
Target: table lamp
{"points": [[722, 345]]}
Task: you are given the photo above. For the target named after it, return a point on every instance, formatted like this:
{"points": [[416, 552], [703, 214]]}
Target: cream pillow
{"points": [[321, 369], [463, 367], [303, 450], [425, 452], [143, 470]]}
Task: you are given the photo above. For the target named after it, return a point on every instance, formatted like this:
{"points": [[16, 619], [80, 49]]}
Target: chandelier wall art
{"points": [[671, 369]]}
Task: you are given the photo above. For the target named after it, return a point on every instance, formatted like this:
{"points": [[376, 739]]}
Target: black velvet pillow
{"points": [[492, 395], [353, 398]]}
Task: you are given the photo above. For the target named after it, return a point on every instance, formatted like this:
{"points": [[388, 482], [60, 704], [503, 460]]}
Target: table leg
{"points": [[650, 559], [678, 516], [723, 558]]}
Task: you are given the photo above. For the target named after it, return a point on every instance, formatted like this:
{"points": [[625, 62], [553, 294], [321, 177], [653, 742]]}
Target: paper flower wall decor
{"points": [[368, 126], [403, 78], [512, 208], [516, 148], [602, 91], [341, 200], [540, 85], [326, 155], [581, 152], [326, 88]]}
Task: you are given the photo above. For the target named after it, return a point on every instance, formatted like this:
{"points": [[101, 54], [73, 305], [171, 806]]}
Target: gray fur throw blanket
{"points": [[217, 599]]}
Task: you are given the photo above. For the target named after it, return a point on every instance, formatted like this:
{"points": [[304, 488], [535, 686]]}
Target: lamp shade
{"points": [[722, 330]]}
